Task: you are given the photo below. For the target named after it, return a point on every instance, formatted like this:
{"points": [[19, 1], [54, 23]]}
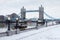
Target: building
{"points": [[2, 18], [13, 16]]}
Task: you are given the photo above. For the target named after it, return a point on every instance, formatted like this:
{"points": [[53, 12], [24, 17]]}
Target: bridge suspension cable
{"points": [[49, 15]]}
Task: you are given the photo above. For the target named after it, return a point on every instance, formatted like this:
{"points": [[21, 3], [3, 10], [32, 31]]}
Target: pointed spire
{"points": [[41, 5], [23, 7]]}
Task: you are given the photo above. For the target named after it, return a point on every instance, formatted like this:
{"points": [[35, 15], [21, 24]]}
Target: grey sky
{"points": [[52, 7]]}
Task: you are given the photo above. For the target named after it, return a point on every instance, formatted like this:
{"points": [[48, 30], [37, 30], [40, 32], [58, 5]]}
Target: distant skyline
{"points": [[52, 7]]}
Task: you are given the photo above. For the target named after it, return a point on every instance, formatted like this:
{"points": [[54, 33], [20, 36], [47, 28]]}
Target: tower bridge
{"points": [[40, 11], [22, 21]]}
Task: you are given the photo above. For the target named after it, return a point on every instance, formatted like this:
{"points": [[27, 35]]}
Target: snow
{"points": [[46, 33], [3, 30]]}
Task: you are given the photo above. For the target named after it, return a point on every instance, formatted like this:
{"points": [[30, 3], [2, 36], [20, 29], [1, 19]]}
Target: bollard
{"points": [[46, 23]]}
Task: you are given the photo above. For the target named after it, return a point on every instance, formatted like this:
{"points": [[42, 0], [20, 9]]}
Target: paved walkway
{"points": [[18, 31]]}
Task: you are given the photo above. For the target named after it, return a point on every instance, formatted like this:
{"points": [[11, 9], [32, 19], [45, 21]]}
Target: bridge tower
{"points": [[41, 13], [23, 13]]}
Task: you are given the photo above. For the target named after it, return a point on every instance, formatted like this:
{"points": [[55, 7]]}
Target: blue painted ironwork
{"points": [[32, 11]]}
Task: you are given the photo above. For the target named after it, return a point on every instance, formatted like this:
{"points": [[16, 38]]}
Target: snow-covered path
{"points": [[46, 33], [3, 30]]}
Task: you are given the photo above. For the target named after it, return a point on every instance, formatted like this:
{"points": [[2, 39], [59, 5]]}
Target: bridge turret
{"points": [[23, 12], [41, 13]]}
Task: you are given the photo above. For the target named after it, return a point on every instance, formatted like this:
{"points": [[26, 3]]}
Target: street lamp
{"points": [[16, 24], [8, 18], [8, 23], [16, 18]]}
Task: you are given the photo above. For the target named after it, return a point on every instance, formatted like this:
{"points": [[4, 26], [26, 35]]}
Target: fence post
{"points": [[46, 23]]}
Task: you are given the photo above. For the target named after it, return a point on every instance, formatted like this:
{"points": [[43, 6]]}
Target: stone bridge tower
{"points": [[23, 13], [41, 13]]}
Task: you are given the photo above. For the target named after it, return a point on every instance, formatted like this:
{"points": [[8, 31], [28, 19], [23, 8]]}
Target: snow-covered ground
{"points": [[46, 33], [3, 30]]}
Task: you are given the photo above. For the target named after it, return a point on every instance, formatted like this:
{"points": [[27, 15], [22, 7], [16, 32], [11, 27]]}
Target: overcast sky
{"points": [[51, 7]]}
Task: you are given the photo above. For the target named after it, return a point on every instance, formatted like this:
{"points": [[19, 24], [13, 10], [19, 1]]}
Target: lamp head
{"points": [[16, 18], [8, 18]]}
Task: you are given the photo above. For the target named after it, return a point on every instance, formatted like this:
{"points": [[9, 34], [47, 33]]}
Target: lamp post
{"points": [[8, 23], [16, 24]]}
